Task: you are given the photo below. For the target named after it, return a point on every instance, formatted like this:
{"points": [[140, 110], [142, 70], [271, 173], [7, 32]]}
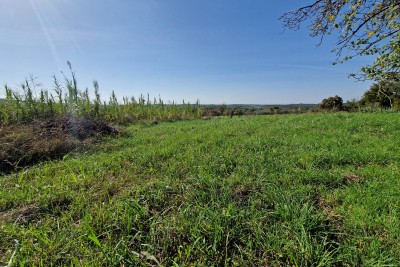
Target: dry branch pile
{"points": [[52, 138]]}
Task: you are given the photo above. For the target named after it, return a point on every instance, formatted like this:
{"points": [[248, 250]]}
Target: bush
{"points": [[332, 103]]}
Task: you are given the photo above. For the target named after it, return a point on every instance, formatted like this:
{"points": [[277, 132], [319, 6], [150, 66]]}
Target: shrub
{"points": [[332, 103]]}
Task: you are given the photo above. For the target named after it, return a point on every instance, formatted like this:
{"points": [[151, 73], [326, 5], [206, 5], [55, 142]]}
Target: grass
{"points": [[293, 190]]}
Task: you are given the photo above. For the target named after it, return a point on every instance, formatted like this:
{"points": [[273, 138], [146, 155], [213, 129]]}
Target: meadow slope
{"points": [[298, 190]]}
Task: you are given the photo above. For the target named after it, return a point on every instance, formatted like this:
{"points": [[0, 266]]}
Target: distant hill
{"points": [[260, 106], [254, 109]]}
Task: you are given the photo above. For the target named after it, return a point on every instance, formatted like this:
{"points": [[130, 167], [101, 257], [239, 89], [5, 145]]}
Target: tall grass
{"points": [[31, 102]]}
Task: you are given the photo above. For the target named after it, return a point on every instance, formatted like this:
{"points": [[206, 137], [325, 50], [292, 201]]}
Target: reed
{"points": [[31, 102]]}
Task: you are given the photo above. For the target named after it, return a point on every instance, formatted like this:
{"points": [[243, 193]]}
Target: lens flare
{"points": [[46, 32], [55, 30]]}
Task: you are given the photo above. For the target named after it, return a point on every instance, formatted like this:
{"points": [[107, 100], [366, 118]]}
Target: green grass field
{"points": [[292, 190]]}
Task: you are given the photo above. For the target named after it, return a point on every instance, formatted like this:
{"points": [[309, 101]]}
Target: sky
{"points": [[215, 51]]}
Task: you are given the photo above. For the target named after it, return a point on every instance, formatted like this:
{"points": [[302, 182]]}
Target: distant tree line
{"points": [[250, 110]]}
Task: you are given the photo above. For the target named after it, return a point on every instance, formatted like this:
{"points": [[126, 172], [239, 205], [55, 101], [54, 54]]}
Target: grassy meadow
{"points": [[281, 190]]}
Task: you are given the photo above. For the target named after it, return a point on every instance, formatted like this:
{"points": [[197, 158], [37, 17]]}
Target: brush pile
{"points": [[47, 139]]}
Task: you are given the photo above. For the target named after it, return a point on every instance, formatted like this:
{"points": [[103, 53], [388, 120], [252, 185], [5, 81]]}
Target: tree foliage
{"points": [[365, 27], [383, 94], [332, 103]]}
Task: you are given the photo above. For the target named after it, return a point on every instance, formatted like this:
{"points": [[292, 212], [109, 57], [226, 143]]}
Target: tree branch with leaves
{"points": [[365, 28]]}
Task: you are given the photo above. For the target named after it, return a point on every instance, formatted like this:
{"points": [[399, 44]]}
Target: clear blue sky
{"points": [[217, 51]]}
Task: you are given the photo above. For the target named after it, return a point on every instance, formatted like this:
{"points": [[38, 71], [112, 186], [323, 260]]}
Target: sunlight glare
{"points": [[46, 32]]}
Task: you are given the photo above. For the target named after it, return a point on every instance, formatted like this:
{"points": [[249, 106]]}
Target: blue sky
{"points": [[216, 51]]}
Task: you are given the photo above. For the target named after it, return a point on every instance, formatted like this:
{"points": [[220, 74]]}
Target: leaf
{"points": [[94, 238], [371, 33], [150, 257]]}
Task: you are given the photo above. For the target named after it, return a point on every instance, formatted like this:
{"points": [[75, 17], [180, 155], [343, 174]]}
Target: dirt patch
{"points": [[32, 212], [328, 210], [23, 215], [352, 179], [241, 194], [334, 218]]}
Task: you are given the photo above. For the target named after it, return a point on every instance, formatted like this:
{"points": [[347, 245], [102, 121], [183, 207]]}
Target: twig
{"points": [[13, 255]]}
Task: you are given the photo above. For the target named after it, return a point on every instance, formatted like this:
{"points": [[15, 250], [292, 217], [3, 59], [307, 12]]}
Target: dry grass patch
{"points": [[22, 215]]}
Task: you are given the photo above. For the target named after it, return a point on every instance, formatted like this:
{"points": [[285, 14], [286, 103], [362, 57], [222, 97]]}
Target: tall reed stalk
{"points": [[31, 102]]}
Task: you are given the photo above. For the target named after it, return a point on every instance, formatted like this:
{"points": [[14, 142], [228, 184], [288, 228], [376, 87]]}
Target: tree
{"points": [[221, 108], [332, 103], [383, 94], [366, 28], [274, 110]]}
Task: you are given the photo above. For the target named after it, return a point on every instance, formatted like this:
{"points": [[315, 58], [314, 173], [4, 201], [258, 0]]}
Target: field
{"points": [[281, 190]]}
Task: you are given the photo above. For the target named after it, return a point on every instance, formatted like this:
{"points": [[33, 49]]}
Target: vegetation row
{"points": [[32, 102]]}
